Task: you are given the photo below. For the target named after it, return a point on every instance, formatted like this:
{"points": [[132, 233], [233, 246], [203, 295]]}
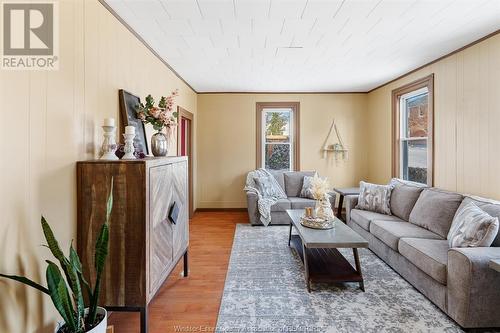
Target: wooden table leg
{"points": [[306, 267], [358, 268], [290, 234], [339, 208]]}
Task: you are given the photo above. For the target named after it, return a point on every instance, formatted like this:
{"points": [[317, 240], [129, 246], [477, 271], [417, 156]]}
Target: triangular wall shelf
{"points": [[339, 149]]}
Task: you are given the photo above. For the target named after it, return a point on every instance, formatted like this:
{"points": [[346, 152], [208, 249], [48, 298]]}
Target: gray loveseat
{"points": [[291, 182], [413, 242]]}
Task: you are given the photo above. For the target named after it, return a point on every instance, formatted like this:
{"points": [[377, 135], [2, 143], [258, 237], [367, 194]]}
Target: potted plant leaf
{"points": [[66, 288]]}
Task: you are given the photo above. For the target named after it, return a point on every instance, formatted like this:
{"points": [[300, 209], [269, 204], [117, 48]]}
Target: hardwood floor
{"points": [[191, 304]]}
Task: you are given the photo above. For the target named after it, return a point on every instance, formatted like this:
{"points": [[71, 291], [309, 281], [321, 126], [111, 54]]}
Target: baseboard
{"points": [[220, 210]]}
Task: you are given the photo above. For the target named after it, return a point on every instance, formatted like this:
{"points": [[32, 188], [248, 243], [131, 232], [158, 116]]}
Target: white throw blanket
{"points": [[268, 198]]}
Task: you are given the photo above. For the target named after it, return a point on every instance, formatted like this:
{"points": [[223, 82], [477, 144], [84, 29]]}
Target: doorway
{"points": [[185, 147]]}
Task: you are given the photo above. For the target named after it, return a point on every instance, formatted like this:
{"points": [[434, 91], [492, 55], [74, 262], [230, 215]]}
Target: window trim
{"points": [[425, 82], [295, 106]]}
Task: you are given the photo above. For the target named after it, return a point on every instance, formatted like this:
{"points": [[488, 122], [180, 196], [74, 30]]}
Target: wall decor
{"points": [[128, 104], [338, 148]]}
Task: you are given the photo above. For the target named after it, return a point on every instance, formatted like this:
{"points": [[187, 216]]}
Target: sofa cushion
{"points": [[301, 203], [281, 206], [294, 180], [430, 255], [364, 217], [404, 195], [435, 209], [280, 178], [491, 207], [390, 232]]}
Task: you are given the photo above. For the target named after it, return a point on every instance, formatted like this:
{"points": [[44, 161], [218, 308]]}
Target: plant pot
{"points": [[159, 144], [100, 328]]}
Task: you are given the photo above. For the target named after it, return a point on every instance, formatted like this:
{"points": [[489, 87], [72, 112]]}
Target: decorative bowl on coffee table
{"points": [[316, 223]]}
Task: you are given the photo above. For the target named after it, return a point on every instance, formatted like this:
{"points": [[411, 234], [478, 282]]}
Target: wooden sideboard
{"points": [[144, 244]]}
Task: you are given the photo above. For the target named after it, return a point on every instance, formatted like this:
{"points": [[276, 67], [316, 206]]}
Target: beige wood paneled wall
{"points": [[227, 141], [51, 120], [467, 121]]}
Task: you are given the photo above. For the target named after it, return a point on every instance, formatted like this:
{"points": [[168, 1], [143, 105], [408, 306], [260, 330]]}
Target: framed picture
{"points": [[128, 104]]}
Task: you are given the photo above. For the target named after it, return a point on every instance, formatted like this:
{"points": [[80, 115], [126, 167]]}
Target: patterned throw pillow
{"points": [[306, 188], [375, 198], [472, 227], [268, 187]]}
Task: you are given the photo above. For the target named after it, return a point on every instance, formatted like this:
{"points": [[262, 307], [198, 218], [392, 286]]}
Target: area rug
{"points": [[265, 291]]}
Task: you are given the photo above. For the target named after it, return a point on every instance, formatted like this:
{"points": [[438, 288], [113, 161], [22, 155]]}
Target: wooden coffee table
{"points": [[318, 251]]}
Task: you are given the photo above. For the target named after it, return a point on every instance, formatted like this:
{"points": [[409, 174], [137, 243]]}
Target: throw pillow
{"points": [[267, 188], [472, 227], [375, 198], [306, 188]]}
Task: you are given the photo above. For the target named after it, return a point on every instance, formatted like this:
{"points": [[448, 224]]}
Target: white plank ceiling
{"points": [[304, 45]]}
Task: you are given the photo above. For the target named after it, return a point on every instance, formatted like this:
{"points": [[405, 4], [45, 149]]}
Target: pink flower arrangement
{"points": [[159, 116]]}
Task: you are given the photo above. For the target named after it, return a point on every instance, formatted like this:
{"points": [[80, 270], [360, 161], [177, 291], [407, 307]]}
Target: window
{"points": [[278, 136], [412, 151]]}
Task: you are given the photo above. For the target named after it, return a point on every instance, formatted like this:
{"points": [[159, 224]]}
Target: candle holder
{"points": [[129, 146], [109, 144]]}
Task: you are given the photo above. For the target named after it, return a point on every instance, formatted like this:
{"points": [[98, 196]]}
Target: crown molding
{"points": [[280, 92]]}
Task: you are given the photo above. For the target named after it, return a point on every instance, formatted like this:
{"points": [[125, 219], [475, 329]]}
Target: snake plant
{"points": [[66, 289]]}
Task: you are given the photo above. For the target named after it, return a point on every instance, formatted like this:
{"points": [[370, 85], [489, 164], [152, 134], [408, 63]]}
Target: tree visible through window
{"points": [[277, 136], [277, 141]]}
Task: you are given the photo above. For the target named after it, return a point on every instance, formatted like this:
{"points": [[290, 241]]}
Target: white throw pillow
{"points": [[375, 198], [307, 187], [472, 227]]}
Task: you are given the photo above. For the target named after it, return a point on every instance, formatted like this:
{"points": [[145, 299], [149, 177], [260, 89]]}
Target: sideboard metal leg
{"points": [[144, 319], [186, 267]]}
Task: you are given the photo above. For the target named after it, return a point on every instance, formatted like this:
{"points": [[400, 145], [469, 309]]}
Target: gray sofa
{"points": [[413, 242], [291, 182]]}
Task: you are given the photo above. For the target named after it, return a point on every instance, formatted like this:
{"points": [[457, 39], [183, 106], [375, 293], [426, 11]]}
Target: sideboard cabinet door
{"points": [[160, 228], [180, 195]]}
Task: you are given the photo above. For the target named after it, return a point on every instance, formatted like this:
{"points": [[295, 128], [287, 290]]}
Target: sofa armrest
{"points": [[350, 201], [473, 287], [253, 210]]}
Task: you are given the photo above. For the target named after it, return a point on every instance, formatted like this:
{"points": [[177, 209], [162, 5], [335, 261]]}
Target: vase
{"points": [[323, 209], [159, 144]]}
